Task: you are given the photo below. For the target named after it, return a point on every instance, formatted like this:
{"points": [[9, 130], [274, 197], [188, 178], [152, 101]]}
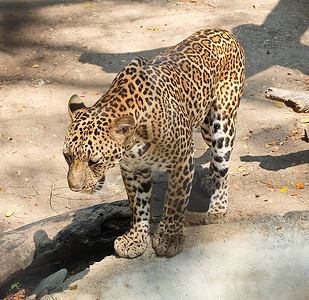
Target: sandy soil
{"points": [[50, 50], [53, 49]]}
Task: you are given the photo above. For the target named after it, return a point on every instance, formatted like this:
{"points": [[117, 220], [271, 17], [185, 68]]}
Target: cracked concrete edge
{"points": [[277, 233]]}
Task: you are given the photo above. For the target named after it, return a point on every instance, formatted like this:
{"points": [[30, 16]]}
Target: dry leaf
{"points": [[9, 213], [236, 187], [272, 143], [35, 66], [283, 189], [73, 287], [27, 179], [270, 185], [305, 120], [95, 94], [294, 194], [21, 294], [239, 211], [2, 189], [86, 4], [300, 185], [279, 228]]}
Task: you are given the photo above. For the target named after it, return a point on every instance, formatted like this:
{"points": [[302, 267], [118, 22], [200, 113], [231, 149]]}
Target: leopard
{"points": [[145, 122]]}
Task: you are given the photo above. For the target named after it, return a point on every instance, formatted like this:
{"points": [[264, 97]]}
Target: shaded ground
{"points": [[53, 49]]}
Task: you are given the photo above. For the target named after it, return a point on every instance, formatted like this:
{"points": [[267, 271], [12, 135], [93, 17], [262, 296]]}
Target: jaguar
{"points": [[145, 122]]}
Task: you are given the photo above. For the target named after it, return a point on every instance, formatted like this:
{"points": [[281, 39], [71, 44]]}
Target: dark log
{"points": [[297, 100], [39, 242]]}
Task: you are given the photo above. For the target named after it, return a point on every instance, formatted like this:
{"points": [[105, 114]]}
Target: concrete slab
{"points": [[265, 258]]}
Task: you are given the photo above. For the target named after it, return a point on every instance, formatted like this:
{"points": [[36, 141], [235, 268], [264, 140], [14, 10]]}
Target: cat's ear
{"points": [[121, 128], [75, 105]]}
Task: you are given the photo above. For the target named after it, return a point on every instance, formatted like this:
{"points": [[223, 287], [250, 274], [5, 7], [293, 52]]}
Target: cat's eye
{"points": [[91, 163]]}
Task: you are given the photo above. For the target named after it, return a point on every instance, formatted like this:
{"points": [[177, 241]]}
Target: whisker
{"points": [[125, 168], [107, 195]]}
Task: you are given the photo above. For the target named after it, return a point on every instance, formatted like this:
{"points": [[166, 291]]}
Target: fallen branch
{"points": [[297, 100], [40, 242]]}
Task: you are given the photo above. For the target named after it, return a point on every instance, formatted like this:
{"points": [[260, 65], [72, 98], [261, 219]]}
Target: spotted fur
{"points": [[146, 121]]}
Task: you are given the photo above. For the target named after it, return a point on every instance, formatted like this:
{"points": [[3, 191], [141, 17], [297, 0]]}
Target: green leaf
{"points": [[16, 285]]}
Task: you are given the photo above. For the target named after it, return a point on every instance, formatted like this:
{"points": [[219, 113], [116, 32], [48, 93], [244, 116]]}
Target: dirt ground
{"points": [[53, 49]]}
